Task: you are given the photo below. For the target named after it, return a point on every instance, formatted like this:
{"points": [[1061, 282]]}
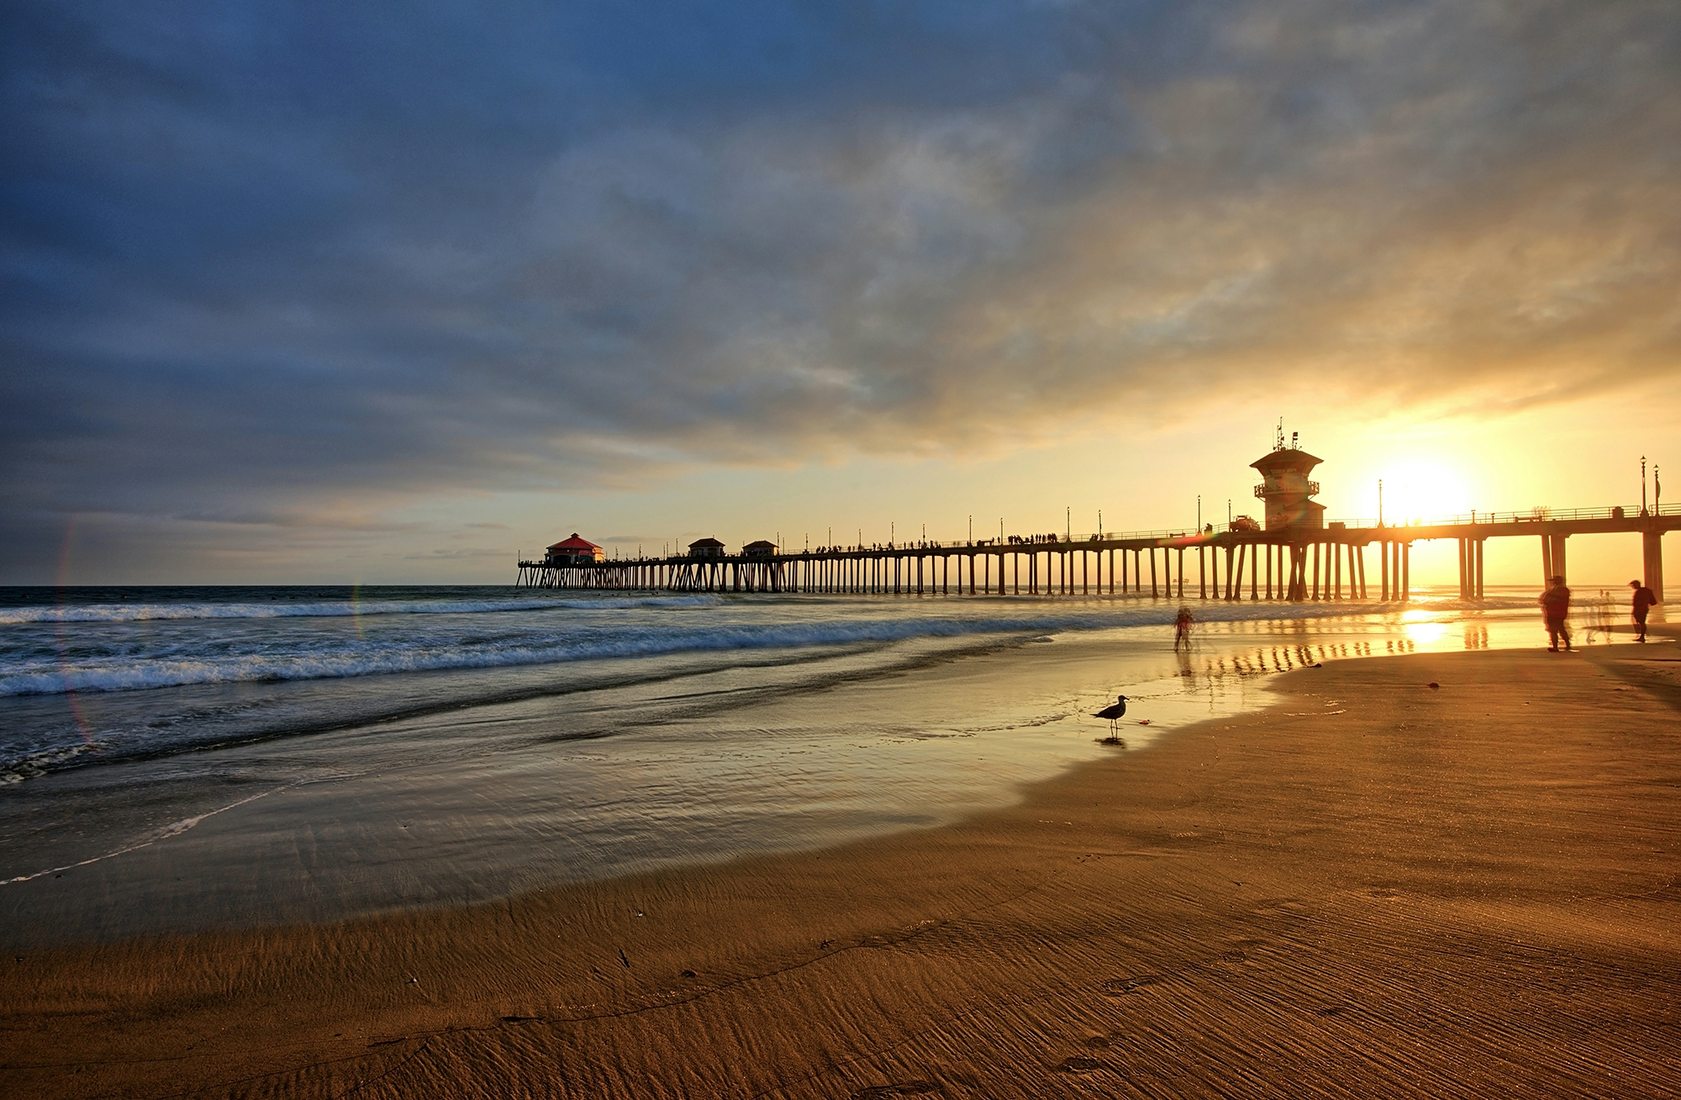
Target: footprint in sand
{"points": [[901, 1088], [1120, 987], [1079, 1063]]}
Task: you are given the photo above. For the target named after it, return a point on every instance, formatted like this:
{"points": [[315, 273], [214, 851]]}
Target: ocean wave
{"points": [[126, 674], [157, 612], [620, 640]]}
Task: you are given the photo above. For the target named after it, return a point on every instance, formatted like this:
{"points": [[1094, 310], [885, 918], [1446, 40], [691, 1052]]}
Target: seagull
{"points": [[1113, 712]]}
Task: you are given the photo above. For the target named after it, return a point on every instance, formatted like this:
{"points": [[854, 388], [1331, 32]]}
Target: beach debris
{"points": [[1143, 721], [687, 974], [1433, 686], [624, 958]]}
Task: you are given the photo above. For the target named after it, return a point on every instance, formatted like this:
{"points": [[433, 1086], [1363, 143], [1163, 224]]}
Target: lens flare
{"points": [[61, 584]]}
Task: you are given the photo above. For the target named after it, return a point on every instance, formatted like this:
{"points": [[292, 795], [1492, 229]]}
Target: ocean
{"points": [[178, 759]]}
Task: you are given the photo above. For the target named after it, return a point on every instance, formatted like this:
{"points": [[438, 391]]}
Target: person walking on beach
{"points": [[1643, 601], [1555, 607], [1182, 629]]}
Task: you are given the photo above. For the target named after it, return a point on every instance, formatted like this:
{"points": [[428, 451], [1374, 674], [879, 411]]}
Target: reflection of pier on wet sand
{"points": [[1339, 561]]}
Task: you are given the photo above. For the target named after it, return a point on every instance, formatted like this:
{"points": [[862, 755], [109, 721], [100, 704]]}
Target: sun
{"points": [[1422, 489]]}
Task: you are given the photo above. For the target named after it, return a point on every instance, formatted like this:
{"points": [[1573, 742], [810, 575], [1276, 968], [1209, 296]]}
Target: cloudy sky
{"points": [[349, 292]]}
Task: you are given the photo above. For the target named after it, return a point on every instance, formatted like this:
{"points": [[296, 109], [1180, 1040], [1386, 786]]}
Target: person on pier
{"points": [[1643, 601], [1555, 608]]}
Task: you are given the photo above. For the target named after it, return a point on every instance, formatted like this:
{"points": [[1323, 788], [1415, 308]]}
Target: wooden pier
{"points": [[1298, 565]]}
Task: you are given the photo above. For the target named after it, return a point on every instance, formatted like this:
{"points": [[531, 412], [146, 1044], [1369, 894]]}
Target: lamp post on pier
{"points": [[1642, 484], [1380, 502]]}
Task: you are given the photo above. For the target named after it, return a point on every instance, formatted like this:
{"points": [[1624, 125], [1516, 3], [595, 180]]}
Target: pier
{"points": [[1295, 555], [1339, 561]]}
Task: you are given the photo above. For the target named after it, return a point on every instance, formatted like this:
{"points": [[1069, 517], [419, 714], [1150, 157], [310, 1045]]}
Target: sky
{"points": [[336, 293]]}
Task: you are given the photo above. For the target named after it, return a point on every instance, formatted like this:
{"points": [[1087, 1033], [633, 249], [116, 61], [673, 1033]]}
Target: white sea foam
{"points": [[46, 760], [351, 657], [159, 612], [131, 674], [173, 829]]}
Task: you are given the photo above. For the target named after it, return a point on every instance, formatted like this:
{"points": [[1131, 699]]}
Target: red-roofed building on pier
{"points": [[573, 551]]}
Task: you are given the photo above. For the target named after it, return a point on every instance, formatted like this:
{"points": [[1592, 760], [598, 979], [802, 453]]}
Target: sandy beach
{"points": [[1432, 875]]}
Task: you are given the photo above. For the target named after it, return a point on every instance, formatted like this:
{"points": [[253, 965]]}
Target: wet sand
{"points": [[1375, 887]]}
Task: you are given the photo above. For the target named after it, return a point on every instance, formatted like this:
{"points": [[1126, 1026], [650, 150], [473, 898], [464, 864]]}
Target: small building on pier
{"points": [[1286, 490], [573, 551], [762, 548], [706, 549]]}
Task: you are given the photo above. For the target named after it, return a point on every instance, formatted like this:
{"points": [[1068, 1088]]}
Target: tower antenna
{"points": [[1278, 442]]}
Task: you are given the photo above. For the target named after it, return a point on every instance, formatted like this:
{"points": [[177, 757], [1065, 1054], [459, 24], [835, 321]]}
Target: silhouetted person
{"points": [[1643, 601], [1555, 608], [1182, 629]]}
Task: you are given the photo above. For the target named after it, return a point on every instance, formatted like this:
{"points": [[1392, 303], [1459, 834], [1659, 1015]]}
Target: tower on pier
{"points": [[1286, 489]]}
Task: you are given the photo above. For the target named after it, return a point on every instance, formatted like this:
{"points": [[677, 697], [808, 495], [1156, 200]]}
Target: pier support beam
{"points": [[1651, 556], [1552, 557]]}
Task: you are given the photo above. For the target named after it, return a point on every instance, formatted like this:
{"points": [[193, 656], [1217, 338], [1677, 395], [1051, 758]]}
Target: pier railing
{"points": [[1533, 515], [1295, 564], [1042, 543]]}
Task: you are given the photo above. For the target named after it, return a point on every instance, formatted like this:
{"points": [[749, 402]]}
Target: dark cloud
{"points": [[264, 259]]}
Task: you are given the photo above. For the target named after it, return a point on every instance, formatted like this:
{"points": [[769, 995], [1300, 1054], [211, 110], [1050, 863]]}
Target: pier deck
{"points": [[1329, 563]]}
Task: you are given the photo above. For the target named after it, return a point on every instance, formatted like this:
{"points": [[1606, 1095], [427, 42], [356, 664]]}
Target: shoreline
{"points": [[497, 801], [1362, 888]]}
